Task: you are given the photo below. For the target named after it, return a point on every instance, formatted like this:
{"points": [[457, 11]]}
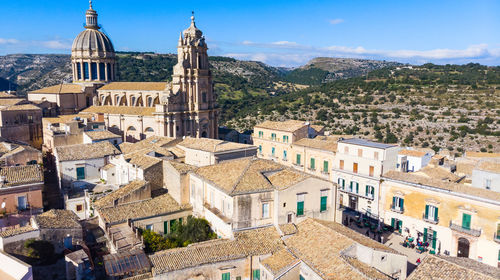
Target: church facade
{"points": [[186, 106]]}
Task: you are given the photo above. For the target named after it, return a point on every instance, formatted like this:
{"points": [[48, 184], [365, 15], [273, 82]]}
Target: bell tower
{"points": [[192, 79]]}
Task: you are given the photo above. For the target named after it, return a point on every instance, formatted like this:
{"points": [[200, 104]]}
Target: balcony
{"points": [[496, 238], [470, 231], [271, 156], [325, 172], [430, 219], [311, 168], [397, 209]]}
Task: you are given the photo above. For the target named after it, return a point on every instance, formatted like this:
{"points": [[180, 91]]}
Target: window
{"points": [[466, 221], [301, 277], [284, 154], [21, 202], [261, 134], [102, 74], [260, 149], [204, 97], [86, 70], [300, 204], [324, 199], [273, 136], [354, 185], [360, 152], [79, 207], [375, 155], [430, 236], [109, 72], [165, 227], [93, 66], [355, 167], [431, 213], [265, 210], [369, 191], [371, 170], [80, 173], [397, 224], [256, 274], [341, 164], [497, 235], [285, 139], [487, 184], [341, 182], [298, 159], [346, 150], [149, 227], [172, 225], [325, 166], [273, 150], [313, 164], [398, 203], [95, 126], [78, 71], [226, 276]]}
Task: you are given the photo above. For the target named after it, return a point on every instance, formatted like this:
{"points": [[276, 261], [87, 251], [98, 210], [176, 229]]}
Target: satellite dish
{"points": [[3, 204]]}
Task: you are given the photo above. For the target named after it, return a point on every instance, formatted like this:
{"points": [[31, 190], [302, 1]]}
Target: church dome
{"points": [[92, 40]]}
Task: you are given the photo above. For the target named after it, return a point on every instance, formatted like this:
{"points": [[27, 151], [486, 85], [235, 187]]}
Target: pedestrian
{"points": [[418, 261], [368, 232]]}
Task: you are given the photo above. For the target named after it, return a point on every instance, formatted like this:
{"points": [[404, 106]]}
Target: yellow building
{"points": [[455, 219]]}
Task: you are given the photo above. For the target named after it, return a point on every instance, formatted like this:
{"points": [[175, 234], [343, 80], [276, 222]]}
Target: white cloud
{"points": [[336, 21], [8, 41], [56, 44], [284, 43]]}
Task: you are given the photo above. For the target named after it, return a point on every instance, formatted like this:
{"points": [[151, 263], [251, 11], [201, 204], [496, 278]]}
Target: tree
{"points": [[39, 249]]}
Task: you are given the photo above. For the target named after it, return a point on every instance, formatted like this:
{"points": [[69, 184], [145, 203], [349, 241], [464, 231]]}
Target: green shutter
{"points": [[256, 274], [425, 234], [323, 203], [343, 183], [226, 276], [434, 235], [393, 202], [302, 277], [325, 166], [466, 221], [400, 226], [402, 204], [313, 163], [357, 187], [300, 208], [436, 214], [350, 186], [172, 225], [165, 227], [366, 190], [80, 173], [427, 211], [393, 222], [298, 159]]}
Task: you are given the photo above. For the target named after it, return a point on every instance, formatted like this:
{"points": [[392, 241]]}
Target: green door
{"points": [[323, 203], [298, 159], [165, 227], [434, 239], [466, 221], [256, 274], [300, 208], [325, 166], [80, 173], [425, 234], [226, 276], [313, 164], [400, 225]]}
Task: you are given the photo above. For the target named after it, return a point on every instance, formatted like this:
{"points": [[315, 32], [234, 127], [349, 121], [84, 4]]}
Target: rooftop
{"points": [[67, 118], [245, 243], [61, 89], [78, 256], [326, 143], [470, 154], [144, 86], [433, 267], [247, 175], [101, 135], [162, 204], [108, 200], [367, 143], [442, 185], [438, 172], [182, 168], [17, 149], [15, 231], [148, 143], [20, 175], [213, 145], [279, 261], [121, 110], [412, 153], [20, 107], [490, 166], [57, 219], [287, 126], [12, 101], [322, 251], [86, 151]]}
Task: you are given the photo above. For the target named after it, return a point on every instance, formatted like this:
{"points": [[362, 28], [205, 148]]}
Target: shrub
{"points": [[39, 249]]}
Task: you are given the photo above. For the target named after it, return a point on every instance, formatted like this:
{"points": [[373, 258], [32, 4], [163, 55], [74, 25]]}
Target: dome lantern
{"points": [[91, 18]]}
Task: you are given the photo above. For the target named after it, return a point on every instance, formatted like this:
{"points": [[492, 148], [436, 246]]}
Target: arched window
{"points": [[94, 70], [132, 101], [79, 70], [150, 101], [86, 70], [131, 128], [102, 73], [117, 100], [149, 129], [109, 72]]}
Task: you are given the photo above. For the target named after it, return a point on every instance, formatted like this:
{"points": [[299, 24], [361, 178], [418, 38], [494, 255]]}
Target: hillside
{"points": [[326, 69], [441, 107]]}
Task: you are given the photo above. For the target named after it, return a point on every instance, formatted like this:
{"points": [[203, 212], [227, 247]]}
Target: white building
{"points": [[413, 160], [487, 176], [357, 169], [78, 165]]}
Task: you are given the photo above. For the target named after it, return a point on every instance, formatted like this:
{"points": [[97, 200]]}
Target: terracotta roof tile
{"points": [[490, 166], [20, 107], [433, 267], [57, 218], [121, 110], [61, 89], [101, 135], [412, 153], [287, 126], [20, 175], [325, 143], [213, 145], [279, 261], [481, 155], [16, 231], [145, 86], [86, 151], [108, 200]]}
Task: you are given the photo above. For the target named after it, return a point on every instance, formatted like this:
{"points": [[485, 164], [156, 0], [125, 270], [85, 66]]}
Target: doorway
{"points": [[353, 202], [463, 248], [289, 218]]}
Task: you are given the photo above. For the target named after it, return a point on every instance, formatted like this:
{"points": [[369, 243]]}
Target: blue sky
{"points": [[280, 33]]}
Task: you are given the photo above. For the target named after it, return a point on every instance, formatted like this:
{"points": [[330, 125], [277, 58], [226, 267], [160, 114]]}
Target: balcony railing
{"points": [[496, 237], [397, 209], [470, 231], [430, 219]]}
